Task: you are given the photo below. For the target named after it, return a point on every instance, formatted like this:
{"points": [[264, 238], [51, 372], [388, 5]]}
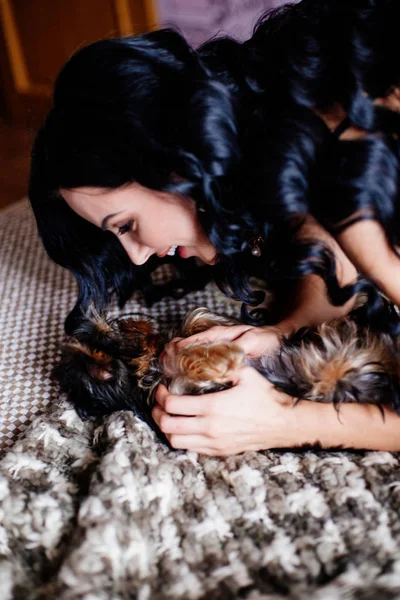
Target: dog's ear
{"points": [[87, 375], [98, 365]]}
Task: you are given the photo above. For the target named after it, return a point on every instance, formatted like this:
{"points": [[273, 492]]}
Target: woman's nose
{"points": [[138, 254]]}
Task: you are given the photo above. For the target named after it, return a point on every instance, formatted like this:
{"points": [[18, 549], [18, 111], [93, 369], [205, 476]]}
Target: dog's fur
{"points": [[115, 364]]}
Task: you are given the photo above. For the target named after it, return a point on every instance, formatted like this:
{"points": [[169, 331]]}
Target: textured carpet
{"points": [[102, 510]]}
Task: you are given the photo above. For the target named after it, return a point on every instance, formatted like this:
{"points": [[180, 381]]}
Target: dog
{"points": [[117, 364]]}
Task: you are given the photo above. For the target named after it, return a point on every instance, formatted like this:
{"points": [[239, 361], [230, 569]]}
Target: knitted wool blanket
{"points": [[103, 511]]}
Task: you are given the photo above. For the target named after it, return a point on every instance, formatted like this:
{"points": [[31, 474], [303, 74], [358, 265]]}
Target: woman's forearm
{"points": [[354, 426], [366, 245]]}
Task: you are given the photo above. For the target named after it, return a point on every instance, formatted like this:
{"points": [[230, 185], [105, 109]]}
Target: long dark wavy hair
{"points": [[238, 124]]}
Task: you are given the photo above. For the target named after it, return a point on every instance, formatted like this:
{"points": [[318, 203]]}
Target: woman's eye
{"points": [[125, 228]]}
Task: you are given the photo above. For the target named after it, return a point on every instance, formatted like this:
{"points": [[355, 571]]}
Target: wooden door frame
{"points": [[25, 101]]}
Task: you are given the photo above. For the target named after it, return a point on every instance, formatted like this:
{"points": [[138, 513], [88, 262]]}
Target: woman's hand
{"points": [[254, 341], [252, 415]]}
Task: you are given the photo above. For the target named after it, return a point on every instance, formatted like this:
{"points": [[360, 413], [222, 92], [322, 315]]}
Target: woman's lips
{"points": [[184, 253]]}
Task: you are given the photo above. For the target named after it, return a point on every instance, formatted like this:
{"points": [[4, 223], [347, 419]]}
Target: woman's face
{"points": [[146, 222]]}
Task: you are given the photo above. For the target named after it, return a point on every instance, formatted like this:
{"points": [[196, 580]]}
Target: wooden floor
{"points": [[15, 148]]}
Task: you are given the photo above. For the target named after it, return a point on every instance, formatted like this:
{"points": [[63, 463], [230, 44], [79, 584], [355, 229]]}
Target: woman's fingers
{"points": [[177, 425], [215, 334], [254, 341], [183, 405], [180, 425], [258, 342], [187, 442]]}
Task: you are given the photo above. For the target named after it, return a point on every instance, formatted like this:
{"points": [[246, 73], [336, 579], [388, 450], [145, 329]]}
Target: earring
{"points": [[255, 245]]}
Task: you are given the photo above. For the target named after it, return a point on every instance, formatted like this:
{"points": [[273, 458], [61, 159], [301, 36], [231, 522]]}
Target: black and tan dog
{"points": [[115, 364]]}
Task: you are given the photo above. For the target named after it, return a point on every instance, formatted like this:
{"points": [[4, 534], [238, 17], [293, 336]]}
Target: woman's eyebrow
{"points": [[104, 223]]}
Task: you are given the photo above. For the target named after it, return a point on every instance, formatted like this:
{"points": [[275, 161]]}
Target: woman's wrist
{"points": [[353, 426]]}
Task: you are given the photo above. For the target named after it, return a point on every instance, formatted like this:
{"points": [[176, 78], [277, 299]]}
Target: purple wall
{"points": [[199, 20]]}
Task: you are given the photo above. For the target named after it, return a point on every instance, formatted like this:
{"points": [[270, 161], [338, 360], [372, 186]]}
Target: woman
{"points": [[272, 161]]}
